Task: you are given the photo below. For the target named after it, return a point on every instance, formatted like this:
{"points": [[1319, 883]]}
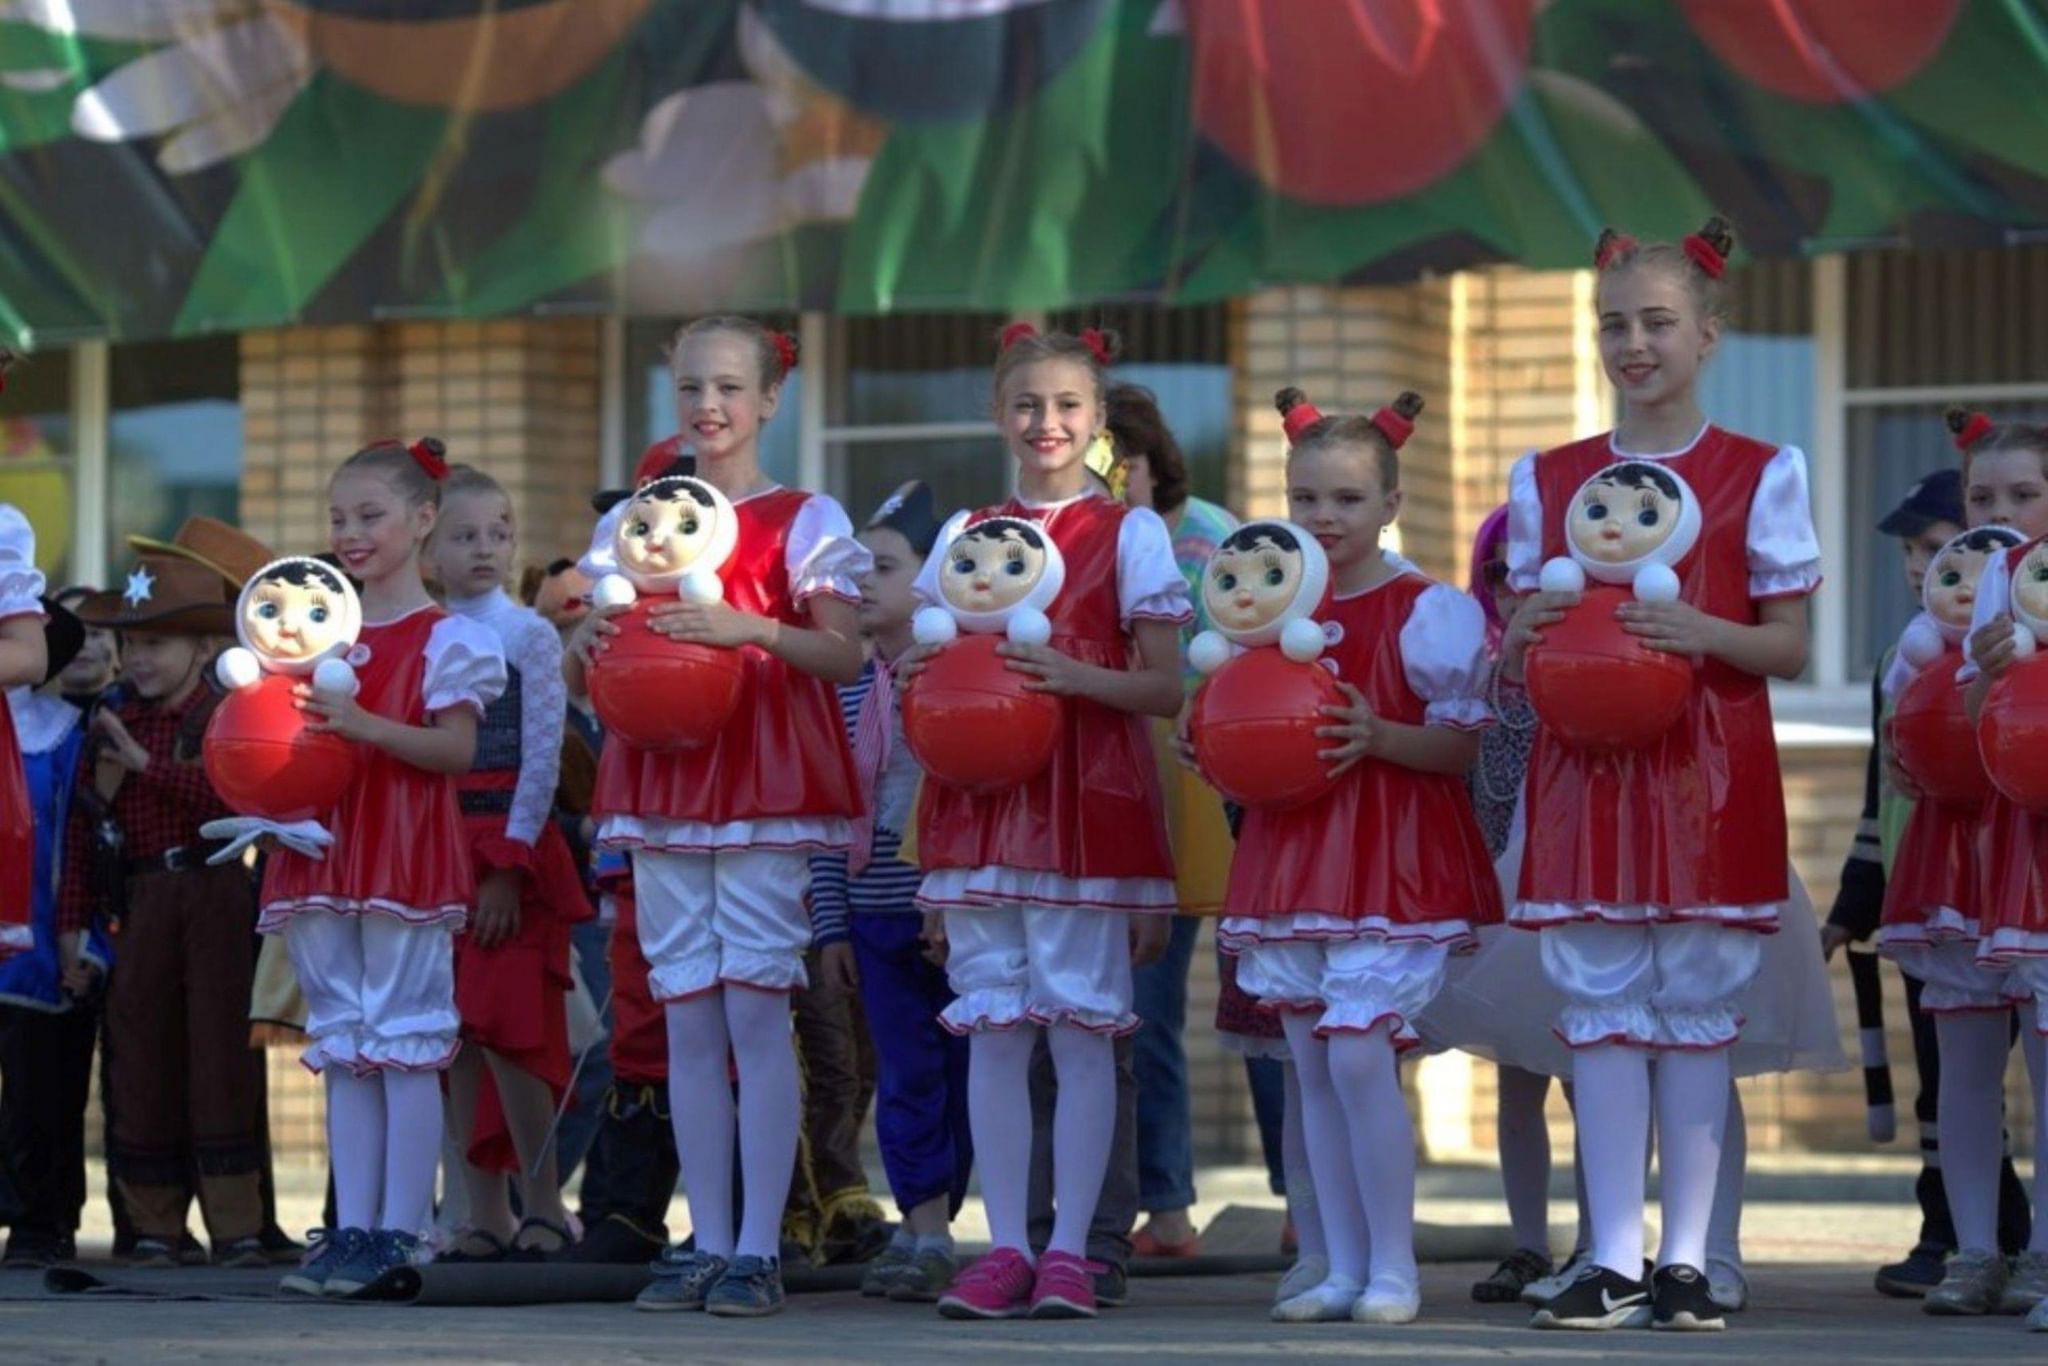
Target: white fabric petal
{"points": [[21, 583], [821, 554], [152, 22], [229, 132], [176, 85], [1784, 549], [1525, 526], [1443, 656], [465, 667], [1149, 584]]}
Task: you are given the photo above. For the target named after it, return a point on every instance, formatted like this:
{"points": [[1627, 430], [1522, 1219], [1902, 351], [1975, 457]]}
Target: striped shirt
{"points": [[887, 884]]}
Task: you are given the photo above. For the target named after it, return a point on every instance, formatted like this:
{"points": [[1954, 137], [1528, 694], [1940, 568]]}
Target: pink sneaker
{"points": [[996, 1287], [1065, 1288]]}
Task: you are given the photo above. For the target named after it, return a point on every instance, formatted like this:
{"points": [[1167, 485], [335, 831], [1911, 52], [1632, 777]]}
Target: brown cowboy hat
{"points": [[167, 594], [229, 551]]}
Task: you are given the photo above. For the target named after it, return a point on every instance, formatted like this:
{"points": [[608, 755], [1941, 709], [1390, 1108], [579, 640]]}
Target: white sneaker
{"points": [[2037, 1318], [1388, 1300], [1727, 1286], [1308, 1272], [1548, 1288], [1325, 1303]]}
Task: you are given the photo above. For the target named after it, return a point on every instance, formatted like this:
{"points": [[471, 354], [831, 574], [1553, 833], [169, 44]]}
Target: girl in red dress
{"points": [[1984, 957], [371, 926], [1036, 882], [720, 835], [1652, 872], [21, 663], [1344, 910], [512, 963]]}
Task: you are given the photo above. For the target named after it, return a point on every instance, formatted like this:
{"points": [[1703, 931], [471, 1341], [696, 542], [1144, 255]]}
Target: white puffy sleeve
{"points": [[927, 585], [21, 584], [1525, 526], [536, 650], [1443, 656], [603, 558], [1149, 584], [1784, 552], [465, 665], [1994, 600], [822, 556]]}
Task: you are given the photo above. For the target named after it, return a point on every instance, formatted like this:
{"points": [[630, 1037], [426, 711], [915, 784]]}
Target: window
{"points": [[174, 440], [36, 450]]}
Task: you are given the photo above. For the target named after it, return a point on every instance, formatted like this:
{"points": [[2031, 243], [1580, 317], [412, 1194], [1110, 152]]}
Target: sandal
{"points": [[461, 1247], [527, 1252]]}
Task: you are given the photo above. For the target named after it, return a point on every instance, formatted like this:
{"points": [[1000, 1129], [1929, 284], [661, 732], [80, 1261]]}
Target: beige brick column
{"points": [[518, 398]]}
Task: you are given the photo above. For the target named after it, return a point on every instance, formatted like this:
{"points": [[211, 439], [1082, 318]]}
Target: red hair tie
{"points": [[1610, 247], [427, 453], [1973, 431], [785, 349], [1097, 344], [1705, 255], [1394, 427], [1297, 420], [1015, 333]]}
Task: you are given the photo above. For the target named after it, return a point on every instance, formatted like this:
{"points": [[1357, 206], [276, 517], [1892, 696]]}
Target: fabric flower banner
{"points": [[176, 167]]}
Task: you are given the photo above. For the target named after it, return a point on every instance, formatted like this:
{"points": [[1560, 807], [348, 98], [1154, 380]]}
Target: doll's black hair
{"points": [[1640, 474], [671, 488], [1256, 534], [1986, 539], [995, 528], [305, 574]]}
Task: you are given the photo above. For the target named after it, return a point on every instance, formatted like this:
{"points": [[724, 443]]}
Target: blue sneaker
{"points": [[380, 1250], [751, 1288], [330, 1247], [680, 1279]]}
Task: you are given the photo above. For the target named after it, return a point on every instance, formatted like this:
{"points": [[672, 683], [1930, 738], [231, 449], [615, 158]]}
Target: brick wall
{"points": [[518, 398]]}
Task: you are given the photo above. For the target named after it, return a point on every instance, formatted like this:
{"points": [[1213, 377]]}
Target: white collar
{"points": [[1614, 445], [41, 722], [483, 606]]}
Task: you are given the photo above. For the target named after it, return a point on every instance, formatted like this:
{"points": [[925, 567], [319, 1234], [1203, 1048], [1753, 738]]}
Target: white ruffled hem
{"points": [[21, 594], [450, 698], [16, 939], [1239, 932], [1362, 1016], [750, 969], [785, 834], [990, 1008], [958, 889], [1637, 1025], [424, 1052], [1253, 1046], [2003, 945], [1459, 713], [1168, 606], [1761, 916], [276, 915], [1785, 583], [1946, 926]]}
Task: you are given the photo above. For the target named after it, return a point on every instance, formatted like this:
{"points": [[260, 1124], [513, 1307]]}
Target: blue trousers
{"points": [[1166, 1141], [921, 1070]]}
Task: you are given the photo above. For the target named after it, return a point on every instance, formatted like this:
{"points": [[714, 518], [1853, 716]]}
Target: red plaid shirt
{"points": [[158, 809]]}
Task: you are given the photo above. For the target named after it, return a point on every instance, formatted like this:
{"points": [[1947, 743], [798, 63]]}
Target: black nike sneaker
{"points": [[1599, 1299], [1681, 1302]]}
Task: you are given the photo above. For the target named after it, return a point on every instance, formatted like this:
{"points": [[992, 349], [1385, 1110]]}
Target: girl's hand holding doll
{"points": [[712, 623], [1537, 610], [339, 715], [593, 634], [1676, 628], [1991, 645], [1360, 733], [1054, 672]]}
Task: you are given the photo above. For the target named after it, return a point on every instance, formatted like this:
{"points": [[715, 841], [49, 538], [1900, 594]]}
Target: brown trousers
{"points": [[186, 1090], [838, 1069]]}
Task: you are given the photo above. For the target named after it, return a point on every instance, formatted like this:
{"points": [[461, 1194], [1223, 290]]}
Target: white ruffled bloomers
{"points": [[779, 834], [1761, 916], [952, 889]]}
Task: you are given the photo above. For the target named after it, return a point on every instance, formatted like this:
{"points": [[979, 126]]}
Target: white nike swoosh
{"points": [[1610, 1304]]}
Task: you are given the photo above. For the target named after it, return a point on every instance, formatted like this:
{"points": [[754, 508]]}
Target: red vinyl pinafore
{"points": [[1095, 811], [783, 754], [2012, 855], [1696, 820], [1935, 866], [1388, 844], [400, 847]]}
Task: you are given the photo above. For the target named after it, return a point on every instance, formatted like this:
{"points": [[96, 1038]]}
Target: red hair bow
{"points": [[427, 453], [785, 349], [1097, 344], [1612, 247], [1705, 255], [1015, 333], [1299, 419], [1975, 430]]}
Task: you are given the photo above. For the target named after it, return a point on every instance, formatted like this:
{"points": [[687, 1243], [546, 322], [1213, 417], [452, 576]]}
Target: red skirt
{"points": [[2012, 881], [510, 996], [17, 845], [1935, 869], [400, 849], [639, 1045], [1095, 810]]}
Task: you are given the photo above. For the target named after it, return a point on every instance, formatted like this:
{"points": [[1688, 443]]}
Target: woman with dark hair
{"points": [[1156, 476]]}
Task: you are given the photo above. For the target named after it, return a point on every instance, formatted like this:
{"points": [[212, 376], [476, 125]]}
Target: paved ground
{"points": [[1802, 1313]]}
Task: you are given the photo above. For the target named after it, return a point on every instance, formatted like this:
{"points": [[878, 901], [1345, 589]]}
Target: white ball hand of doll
{"points": [[1029, 626], [701, 586], [1921, 644], [613, 590], [1655, 583], [933, 626], [1208, 652], [2023, 641], [1301, 640], [1562, 575], [335, 677], [238, 669]]}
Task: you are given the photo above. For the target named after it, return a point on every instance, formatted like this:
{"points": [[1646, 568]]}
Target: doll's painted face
{"points": [[1250, 586], [1951, 584], [993, 566], [297, 612], [2030, 584], [667, 528], [1624, 513]]}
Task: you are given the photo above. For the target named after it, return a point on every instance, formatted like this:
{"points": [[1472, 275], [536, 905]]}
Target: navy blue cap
{"points": [[913, 512], [1938, 497]]}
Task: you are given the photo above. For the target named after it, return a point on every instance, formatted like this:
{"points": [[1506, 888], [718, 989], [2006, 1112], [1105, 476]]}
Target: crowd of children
{"points": [[882, 812]]}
